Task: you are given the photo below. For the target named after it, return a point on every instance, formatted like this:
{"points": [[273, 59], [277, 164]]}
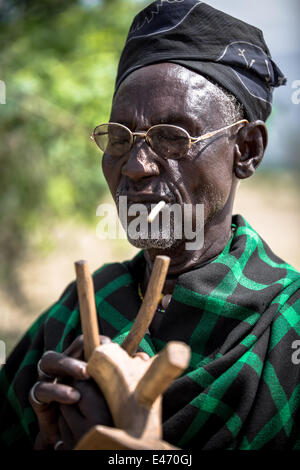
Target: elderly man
{"points": [[187, 70]]}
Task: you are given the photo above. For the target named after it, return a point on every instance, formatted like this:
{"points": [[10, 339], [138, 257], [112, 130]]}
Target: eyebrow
{"points": [[173, 118], [187, 122], [177, 119]]}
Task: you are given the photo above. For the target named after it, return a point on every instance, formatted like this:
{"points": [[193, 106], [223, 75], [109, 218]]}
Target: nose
{"points": [[140, 163]]}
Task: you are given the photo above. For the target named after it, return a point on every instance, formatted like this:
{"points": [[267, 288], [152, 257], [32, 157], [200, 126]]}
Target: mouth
{"points": [[149, 230], [146, 198]]}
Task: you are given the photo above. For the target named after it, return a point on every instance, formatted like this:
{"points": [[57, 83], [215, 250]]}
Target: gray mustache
{"points": [[171, 198]]}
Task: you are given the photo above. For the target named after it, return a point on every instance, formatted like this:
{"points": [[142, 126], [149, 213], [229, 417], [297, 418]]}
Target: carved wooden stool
{"points": [[132, 387]]}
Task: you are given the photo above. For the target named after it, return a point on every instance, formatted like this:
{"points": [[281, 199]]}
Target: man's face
{"points": [[171, 94]]}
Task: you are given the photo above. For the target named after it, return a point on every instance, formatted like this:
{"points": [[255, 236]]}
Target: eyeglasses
{"points": [[166, 140]]}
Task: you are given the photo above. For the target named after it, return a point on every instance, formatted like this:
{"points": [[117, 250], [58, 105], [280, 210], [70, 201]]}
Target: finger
{"points": [[76, 349], [91, 396], [59, 445], [74, 421], [40, 443], [39, 408], [105, 339], [93, 404], [48, 423], [47, 416], [66, 435], [41, 374], [47, 392], [59, 365], [143, 356]]}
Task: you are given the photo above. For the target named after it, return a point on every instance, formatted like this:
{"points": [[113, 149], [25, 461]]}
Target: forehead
{"points": [[166, 93]]}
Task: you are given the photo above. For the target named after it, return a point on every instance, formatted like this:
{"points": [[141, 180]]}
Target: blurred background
{"points": [[58, 61]]}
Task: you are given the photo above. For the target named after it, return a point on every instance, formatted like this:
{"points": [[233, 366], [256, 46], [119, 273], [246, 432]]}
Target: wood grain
{"points": [[132, 389], [131, 386], [104, 438], [149, 305], [166, 367], [87, 305]]}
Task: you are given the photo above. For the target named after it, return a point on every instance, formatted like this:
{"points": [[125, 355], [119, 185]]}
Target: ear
{"points": [[251, 143]]}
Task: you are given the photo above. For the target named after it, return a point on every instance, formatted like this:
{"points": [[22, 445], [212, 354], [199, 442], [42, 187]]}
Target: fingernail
{"points": [[76, 395], [84, 372]]}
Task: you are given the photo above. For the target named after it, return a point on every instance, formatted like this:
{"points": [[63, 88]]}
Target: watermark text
{"points": [[296, 93], [296, 354], [175, 222], [2, 353], [2, 92]]}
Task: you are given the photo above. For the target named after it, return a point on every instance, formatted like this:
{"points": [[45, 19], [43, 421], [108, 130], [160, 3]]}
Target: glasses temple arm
{"points": [[211, 134]]}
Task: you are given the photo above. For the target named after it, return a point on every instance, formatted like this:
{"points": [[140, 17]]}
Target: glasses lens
{"points": [[113, 139], [169, 141]]}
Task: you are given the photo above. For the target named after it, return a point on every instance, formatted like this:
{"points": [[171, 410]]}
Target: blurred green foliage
{"points": [[58, 61]]}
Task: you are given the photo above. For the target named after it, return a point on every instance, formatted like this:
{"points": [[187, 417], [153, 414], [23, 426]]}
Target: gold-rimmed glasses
{"points": [[166, 140]]}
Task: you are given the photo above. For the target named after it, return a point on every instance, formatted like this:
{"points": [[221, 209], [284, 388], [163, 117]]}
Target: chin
{"points": [[152, 244], [159, 242]]}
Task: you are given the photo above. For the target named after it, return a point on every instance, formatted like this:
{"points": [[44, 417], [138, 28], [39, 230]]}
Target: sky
{"points": [[278, 19]]}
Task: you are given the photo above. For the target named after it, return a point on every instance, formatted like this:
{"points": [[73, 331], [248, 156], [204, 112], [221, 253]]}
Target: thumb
{"points": [[143, 356]]}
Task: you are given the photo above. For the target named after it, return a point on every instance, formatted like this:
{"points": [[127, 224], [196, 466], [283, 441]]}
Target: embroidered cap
{"points": [[197, 36]]}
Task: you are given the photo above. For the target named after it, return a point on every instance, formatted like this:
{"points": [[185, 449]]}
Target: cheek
{"points": [[211, 175], [112, 173]]}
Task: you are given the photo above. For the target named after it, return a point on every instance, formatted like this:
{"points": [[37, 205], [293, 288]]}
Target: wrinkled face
{"points": [[171, 94]]}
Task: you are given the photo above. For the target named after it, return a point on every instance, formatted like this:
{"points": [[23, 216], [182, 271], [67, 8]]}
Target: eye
{"points": [[116, 141], [161, 136], [118, 138]]}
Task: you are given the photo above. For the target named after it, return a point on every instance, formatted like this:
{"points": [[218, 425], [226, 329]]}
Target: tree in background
{"points": [[58, 61]]}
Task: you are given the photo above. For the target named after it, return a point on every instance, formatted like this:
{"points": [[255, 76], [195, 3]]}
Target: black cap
{"points": [[225, 49]]}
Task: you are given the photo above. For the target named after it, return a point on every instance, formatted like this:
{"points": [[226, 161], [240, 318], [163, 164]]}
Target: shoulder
{"points": [[62, 321], [107, 277], [104, 275], [267, 266]]}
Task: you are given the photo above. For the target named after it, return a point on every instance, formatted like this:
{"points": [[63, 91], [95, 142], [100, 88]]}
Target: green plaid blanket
{"points": [[240, 314]]}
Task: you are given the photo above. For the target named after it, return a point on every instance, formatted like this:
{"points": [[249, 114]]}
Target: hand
{"points": [[58, 421], [75, 421], [90, 410], [67, 366]]}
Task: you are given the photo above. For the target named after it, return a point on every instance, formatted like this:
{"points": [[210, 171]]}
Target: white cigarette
{"points": [[156, 210]]}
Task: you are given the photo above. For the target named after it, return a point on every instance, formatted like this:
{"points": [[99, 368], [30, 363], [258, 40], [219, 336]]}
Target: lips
{"points": [[146, 198]]}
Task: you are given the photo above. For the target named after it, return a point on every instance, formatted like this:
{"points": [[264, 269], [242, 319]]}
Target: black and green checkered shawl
{"points": [[240, 314]]}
